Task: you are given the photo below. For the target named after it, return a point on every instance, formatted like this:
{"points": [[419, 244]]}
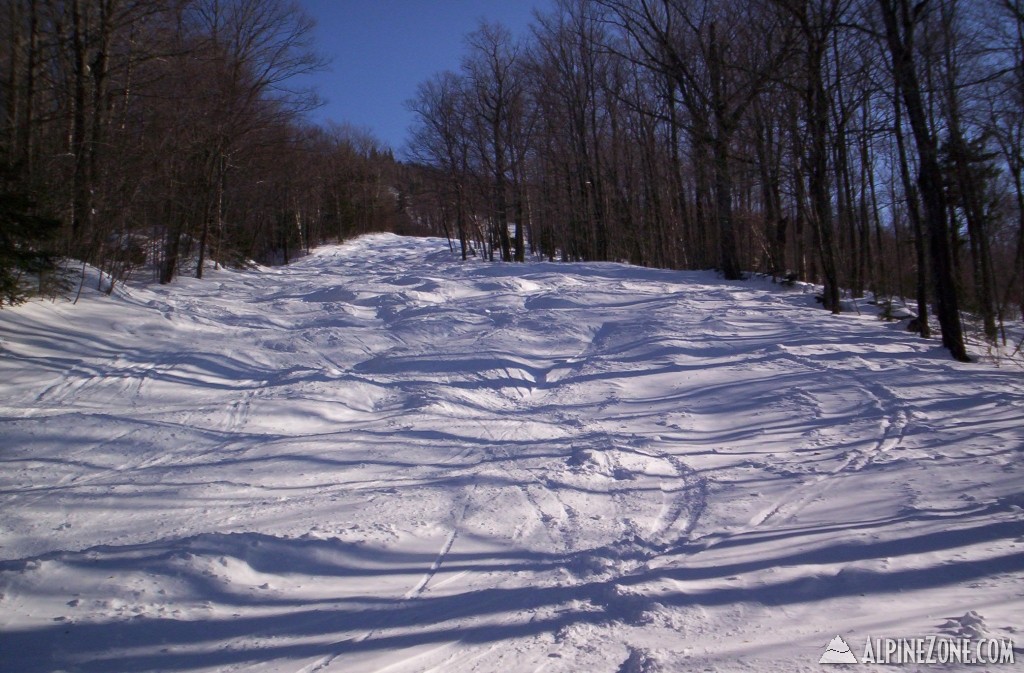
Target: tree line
{"points": [[159, 136], [868, 145]]}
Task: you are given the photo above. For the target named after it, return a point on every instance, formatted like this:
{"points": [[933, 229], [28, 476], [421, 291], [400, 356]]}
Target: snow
{"points": [[382, 458]]}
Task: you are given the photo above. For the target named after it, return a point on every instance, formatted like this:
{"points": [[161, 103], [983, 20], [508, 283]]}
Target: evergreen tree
{"points": [[25, 239]]}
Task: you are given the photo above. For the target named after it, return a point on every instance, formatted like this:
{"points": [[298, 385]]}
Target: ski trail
{"points": [[683, 500], [325, 662], [434, 567], [402, 464], [892, 428], [796, 499], [895, 419]]}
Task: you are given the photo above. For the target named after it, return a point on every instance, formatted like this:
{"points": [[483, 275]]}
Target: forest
{"points": [[868, 145], [871, 146], [153, 136]]}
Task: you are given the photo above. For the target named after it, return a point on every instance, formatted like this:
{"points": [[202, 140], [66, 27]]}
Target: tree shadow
{"points": [[357, 623]]}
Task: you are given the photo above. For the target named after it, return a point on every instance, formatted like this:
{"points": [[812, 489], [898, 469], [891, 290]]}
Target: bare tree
{"points": [[441, 138], [900, 20], [494, 77], [721, 55]]}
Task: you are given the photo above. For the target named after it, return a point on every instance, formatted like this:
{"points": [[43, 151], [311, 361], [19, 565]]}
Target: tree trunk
{"points": [[914, 214], [821, 200], [899, 35], [81, 206], [729, 258]]}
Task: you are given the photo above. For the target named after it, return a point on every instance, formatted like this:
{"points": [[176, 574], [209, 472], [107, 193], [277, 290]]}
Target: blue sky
{"points": [[381, 49]]}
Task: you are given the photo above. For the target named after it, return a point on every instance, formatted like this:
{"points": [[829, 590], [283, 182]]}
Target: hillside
{"points": [[380, 458]]}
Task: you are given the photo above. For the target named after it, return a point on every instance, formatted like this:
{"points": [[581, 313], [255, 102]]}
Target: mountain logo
{"points": [[838, 652]]}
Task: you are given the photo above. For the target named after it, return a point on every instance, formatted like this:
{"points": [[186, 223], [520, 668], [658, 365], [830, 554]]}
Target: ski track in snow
{"points": [[383, 458]]}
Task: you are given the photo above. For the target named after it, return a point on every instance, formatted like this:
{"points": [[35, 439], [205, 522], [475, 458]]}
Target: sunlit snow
{"points": [[381, 457]]}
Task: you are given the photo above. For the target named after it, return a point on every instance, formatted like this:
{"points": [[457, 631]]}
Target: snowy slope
{"points": [[381, 458]]}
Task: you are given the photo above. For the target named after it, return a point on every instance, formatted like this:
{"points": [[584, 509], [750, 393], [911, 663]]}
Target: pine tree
{"points": [[25, 238]]}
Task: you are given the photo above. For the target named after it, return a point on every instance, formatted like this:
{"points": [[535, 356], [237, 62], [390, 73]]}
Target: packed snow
{"points": [[384, 458]]}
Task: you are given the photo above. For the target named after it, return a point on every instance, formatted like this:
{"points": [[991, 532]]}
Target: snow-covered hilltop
{"points": [[380, 457]]}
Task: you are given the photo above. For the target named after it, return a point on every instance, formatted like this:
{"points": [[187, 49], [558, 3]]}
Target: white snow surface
{"points": [[384, 458]]}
